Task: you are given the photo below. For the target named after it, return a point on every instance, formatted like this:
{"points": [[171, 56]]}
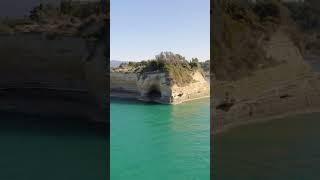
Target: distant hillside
{"points": [[116, 63]]}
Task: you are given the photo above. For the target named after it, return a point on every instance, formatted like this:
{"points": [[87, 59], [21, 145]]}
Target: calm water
{"points": [[160, 142], [39, 148], [286, 149]]}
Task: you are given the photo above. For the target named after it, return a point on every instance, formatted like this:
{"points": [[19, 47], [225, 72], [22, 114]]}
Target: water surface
{"points": [[38, 148], [282, 149], [159, 142]]}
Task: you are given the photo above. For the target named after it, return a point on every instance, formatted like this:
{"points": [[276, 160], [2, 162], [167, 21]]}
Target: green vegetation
{"points": [[67, 8], [68, 17], [306, 15], [178, 69], [9, 25], [239, 25], [205, 66]]}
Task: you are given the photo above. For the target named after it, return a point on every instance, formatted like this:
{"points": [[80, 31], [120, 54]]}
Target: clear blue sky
{"points": [[140, 29]]}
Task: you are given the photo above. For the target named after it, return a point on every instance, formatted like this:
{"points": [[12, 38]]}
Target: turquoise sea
{"points": [[281, 149], [159, 142], [38, 148]]}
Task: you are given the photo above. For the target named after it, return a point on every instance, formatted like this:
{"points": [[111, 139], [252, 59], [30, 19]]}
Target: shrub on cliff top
{"points": [[177, 68], [5, 28], [67, 7], [306, 15]]}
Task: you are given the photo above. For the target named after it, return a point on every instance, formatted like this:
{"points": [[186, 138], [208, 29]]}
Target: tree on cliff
{"points": [[178, 69], [195, 63], [170, 57], [66, 7], [306, 15], [37, 13]]}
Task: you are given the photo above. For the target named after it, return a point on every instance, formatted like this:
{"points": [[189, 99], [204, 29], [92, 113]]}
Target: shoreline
{"points": [[226, 128], [279, 100], [128, 95], [192, 99]]}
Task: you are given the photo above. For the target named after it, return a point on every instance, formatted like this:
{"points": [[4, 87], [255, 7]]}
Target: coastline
{"points": [[192, 99], [135, 96], [300, 96], [265, 119], [125, 95], [157, 87]]}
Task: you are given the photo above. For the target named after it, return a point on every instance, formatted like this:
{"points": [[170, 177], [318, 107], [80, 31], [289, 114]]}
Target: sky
{"points": [[141, 29]]}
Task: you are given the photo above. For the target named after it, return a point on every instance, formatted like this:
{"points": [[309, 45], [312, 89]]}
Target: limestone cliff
{"points": [[197, 89], [279, 82], [61, 74], [54, 61], [123, 82], [157, 87]]}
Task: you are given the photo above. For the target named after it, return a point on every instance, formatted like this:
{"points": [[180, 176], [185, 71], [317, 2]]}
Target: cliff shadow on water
{"points": [[133, 101]]}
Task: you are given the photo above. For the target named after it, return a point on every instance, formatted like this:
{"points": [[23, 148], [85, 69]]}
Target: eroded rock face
{"points": [[286, 88], [95, 73], [63, 67], [197, 89], [156, 87], [38, 59], [123, 82]]}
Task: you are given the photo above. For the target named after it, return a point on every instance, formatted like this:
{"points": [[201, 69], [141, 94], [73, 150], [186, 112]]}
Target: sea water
{"points": [[156, 142], [38, 148], [281, 149]]}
